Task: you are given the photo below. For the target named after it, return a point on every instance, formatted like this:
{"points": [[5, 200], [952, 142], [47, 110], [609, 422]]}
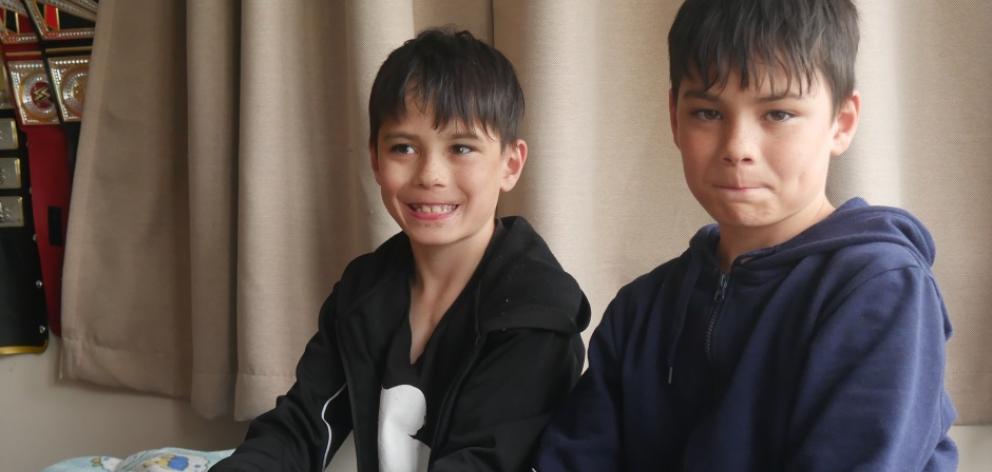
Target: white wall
{"points": [[43, 420], [975, 445]]}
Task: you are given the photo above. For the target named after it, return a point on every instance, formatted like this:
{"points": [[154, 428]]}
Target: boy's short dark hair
{"points": [[711, 38], [454, 74]]}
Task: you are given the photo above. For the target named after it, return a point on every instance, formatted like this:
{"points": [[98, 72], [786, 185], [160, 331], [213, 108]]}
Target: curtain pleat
{"points": [[127, 263], [223, 180], [213, 79]]}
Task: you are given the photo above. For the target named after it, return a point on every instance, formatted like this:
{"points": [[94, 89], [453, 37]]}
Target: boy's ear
{"points": [[673, 115], [846, 123], [514, 158], [374, 160]]}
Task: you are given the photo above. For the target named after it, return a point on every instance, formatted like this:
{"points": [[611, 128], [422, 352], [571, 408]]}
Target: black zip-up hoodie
{"points": [[526, 356]]}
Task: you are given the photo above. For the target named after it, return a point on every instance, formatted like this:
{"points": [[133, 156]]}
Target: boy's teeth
{"points": [[433, 208]]}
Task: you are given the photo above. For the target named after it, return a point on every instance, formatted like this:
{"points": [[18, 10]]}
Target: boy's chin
{"points": [[741, 221], [441, 234]]}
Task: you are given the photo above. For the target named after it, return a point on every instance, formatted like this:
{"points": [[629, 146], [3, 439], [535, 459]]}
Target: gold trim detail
{"points": [[13, 5], [16, 36], [8, 350], [6, 100], [20, 54], [48, 33], [81, 8]]}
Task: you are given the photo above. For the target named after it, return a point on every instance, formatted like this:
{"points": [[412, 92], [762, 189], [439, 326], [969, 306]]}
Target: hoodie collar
{"points": [[518, 282], [854, 222]]}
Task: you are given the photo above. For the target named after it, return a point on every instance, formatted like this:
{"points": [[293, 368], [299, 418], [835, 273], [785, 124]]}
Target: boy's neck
{"points": [[441, 270], [737, 240]]}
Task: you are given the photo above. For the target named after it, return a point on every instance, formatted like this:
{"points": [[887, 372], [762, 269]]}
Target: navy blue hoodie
{"points": [[824, 353]]}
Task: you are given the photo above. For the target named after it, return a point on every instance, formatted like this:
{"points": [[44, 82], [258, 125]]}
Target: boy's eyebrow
{"points": [[398, 135], [464, 135], [700, 94], [780, 96], [773, 97], [411, 137]]}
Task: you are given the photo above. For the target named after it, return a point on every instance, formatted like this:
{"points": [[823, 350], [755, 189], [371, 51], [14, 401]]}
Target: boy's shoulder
{"points": [[857, 248], [384, 265], [521, 282], [856, 242], [518, 247], [863, 238]]}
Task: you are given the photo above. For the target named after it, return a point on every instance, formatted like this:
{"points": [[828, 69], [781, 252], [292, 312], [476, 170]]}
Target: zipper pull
{"points": [[721, 288]]}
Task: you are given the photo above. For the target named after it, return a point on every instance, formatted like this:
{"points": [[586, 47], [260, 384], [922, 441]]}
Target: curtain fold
{"points": [[127, 263], [213, 57], [223, 181]]}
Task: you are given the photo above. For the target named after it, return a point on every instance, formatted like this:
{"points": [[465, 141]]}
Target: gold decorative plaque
{"points": [[10, 173], [69, 76], [32, 93], [11, 212], [8, 134]]}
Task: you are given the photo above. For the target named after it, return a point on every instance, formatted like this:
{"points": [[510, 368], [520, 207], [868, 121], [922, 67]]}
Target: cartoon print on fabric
{"points": [[105, 463], [402, 410], [171, 462]]}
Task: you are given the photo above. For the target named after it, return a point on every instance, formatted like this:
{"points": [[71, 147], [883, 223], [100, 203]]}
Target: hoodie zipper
{"points": [[721, 291], [448, 402]]}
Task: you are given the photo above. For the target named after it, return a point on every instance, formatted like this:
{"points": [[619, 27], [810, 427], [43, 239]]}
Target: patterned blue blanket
{"points": [[167, 459]]}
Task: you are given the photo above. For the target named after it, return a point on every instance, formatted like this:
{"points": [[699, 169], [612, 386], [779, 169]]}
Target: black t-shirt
{"points": [[411, 396]]}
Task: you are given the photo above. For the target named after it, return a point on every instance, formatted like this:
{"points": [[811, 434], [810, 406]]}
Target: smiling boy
{"points": [[791, 335], [449, 346]]}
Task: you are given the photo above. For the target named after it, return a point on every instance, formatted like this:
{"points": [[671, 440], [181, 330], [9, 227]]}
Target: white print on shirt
{"points": [[402, 410]]}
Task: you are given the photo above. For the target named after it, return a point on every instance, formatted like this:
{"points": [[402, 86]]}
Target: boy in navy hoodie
{"points": [[791, 335]]}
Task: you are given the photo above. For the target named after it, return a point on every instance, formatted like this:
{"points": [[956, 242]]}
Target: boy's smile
{"points": [[432, 211], [757, 159], [441, 185]]}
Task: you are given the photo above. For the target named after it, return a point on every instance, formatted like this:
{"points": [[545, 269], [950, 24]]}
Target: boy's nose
{"points": [[431, 172], [741, 144]]}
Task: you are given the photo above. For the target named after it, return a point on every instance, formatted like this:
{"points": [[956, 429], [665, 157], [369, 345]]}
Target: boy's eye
{"points": [[706, 114], [461, 149], [779, 115], [401, 149]]}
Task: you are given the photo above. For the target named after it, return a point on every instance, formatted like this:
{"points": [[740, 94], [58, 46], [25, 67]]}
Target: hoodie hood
{"points": [[855, 222], [518, 283], [522, 285]]}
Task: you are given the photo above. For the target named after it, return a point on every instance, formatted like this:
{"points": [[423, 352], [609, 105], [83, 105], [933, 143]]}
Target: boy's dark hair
{"points": [[711, 38], [456, 75]]}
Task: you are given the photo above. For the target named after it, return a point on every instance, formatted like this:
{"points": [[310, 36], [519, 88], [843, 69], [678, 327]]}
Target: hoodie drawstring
{"points": [[692, 275]]}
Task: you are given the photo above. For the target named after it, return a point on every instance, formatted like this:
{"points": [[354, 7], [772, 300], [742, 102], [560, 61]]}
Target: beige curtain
{"points": [[222, 180]]}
